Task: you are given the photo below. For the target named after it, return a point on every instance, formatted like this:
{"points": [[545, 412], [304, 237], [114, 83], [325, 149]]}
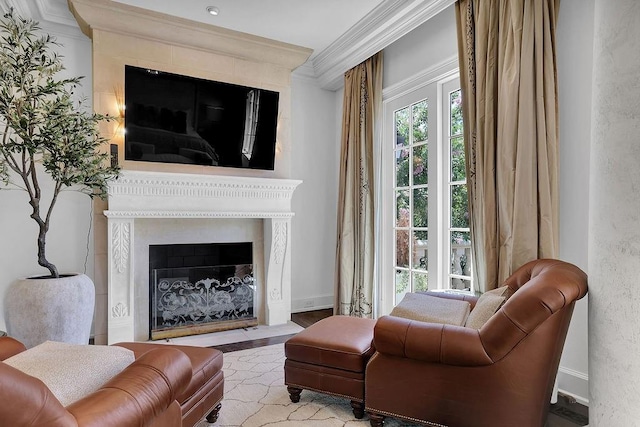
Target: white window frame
{"points": [[445, 89], [431, 85]]}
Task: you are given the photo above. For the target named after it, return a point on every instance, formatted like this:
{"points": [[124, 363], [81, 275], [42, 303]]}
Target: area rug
{"points": [[255, 396]]}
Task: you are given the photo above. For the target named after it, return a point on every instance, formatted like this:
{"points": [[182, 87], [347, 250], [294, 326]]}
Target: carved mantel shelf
{"points": [[148, 195], [145, 194]]}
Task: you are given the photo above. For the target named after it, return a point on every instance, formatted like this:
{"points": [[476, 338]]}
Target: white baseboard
{"points": [[312, 303], [575, 384]]}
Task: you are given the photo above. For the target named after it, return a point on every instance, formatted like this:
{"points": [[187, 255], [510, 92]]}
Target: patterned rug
{"points": [[255, 396]]}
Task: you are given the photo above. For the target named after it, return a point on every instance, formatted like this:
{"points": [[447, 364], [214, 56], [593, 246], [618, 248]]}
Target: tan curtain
{"points": [[355, 252], [508, 77]]}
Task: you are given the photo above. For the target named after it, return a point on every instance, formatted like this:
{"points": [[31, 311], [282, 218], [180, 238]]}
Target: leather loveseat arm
{"points": [[140, 392], [143, 390], [10, 347], [429, 342], [28, 402]]}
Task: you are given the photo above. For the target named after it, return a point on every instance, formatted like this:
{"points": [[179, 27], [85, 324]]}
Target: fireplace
{"points": [[158, 208], [200, 288]]}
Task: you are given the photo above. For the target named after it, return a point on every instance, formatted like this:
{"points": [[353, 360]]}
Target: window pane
{"points": [[463, 284], [420, 282], [420, 246], [402, 208], [402, 285], [460, 238], [402, 248], [420, 164], [402, 167], [402, 127], [455, 99], [420, 205], [420, 115], [457, 159], [461, 260], [459, 207]]}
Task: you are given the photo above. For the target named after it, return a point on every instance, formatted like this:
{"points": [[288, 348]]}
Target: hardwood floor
{"points": [[305, 320], [308, 318], [566, 413], [237, 346]]}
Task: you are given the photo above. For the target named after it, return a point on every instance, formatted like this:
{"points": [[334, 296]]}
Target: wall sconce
{"points": [[120, 109]]}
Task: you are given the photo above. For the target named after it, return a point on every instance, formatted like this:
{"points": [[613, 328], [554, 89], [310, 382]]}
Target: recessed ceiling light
{"points": [[213, 10]]}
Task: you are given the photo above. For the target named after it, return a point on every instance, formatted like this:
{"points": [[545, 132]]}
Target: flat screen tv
{"points": [[178, 119]]}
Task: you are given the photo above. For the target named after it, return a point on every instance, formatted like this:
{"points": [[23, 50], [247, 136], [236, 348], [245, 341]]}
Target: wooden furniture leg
{"points": [[294, 394], [358, 409], [376, 420], [213, 415]]}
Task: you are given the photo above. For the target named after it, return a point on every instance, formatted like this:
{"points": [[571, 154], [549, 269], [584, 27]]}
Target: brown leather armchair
{"points": [[499, 375], [165, 386]]}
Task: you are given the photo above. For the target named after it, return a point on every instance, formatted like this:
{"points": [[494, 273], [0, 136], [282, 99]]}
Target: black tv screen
{"points": [[179, 119]]}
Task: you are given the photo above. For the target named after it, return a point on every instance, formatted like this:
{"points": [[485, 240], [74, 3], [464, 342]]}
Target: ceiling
{"points": [[342, 33]]}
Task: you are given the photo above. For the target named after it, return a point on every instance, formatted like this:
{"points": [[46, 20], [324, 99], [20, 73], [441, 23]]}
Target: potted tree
{"points": [[46, 134]]}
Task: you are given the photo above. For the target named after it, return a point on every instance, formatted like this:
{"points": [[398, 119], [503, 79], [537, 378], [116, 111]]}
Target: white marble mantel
{"points": [[141, 194]]}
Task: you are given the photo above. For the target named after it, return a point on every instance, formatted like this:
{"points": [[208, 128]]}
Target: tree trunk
{"points": [[42, 260], [43, 227]]}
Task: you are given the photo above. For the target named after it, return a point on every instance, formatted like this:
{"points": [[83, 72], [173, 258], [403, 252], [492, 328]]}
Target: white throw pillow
{"points": [[426, 308], [72, 371]]}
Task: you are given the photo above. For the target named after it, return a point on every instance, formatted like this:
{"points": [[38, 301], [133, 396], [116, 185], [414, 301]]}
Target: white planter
{"points": [[39, 309]]}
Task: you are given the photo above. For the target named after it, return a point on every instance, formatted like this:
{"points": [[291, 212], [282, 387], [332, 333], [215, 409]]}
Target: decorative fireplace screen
{"points": [[188, 300], [202, 299]]}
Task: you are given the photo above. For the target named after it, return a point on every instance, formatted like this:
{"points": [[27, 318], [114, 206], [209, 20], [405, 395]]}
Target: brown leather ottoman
{"points": [[330, 356], [205, 391]]}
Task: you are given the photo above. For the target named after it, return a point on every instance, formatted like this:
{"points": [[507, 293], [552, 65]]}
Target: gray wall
{"points": [[614, 221], [315, 158], [575, 58], [426, 46]]}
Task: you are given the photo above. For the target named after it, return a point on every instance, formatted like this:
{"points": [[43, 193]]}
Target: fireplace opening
{"points": [[200, 288]]}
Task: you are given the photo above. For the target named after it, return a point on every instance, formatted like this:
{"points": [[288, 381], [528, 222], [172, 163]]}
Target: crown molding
{"points": [[53, 16], [305, 73], [21, 7], [385, 24], [56, 12]]}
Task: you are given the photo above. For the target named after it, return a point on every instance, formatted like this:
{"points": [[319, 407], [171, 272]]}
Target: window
{"points": [[425, 219], [411, 228]]}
